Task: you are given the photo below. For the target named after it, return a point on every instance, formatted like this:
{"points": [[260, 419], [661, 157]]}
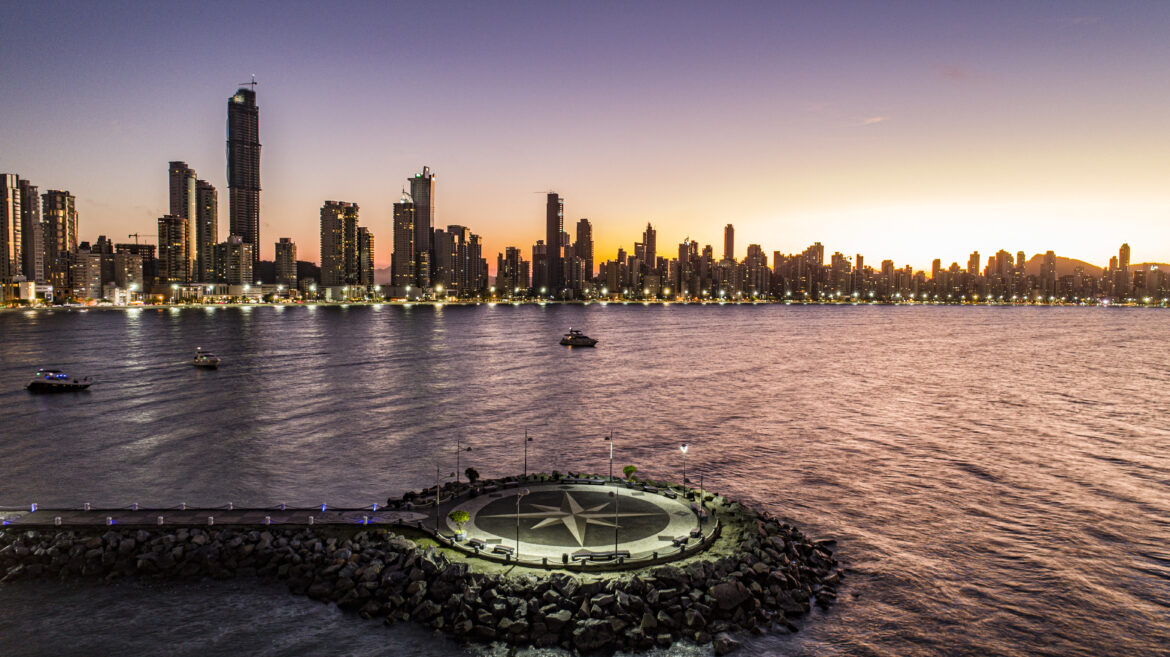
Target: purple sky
{"points": [[903, 130]]}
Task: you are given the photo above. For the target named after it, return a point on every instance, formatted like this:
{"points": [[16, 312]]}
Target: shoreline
{"points": [[581, 302]]}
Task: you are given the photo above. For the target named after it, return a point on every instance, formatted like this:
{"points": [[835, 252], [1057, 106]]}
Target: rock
{"points": [[557, 620], [729, 595], [592, 634], [724, 644]]}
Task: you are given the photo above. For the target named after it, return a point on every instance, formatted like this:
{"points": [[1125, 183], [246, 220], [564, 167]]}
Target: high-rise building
{"points": [[183, 204], [172, 249], [365, 256], [11, 262], [540, 268], [729, 242], [973, 264], [243, 168], [339, 249], [59, 217], [584, 246], [128, 271], [85, 273], [234, 261], [422, 194], [32, 233], [403, 261], [554, 225], [443, 261], [1123, 257], [146, 254], [286, 263], [206, 230], [650, 247]]}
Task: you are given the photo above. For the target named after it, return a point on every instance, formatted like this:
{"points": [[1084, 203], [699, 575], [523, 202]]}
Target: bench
{"points": [[650, 489], [601, 556], [477, 544], [681, 541], [669, 493], [502, 549], [696, 533]]}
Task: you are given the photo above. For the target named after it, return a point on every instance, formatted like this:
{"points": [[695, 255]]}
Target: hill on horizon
{"points": [[1064, 266]]}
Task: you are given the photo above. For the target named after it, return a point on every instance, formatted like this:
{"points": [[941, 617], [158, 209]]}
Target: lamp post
{"points": [[526, 441], [519, 494], [683, 448], [609, 439]]}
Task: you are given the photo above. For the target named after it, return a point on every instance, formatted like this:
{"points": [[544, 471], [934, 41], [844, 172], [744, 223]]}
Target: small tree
{"points": [[629, 471], [472, 476], [459, 517]]}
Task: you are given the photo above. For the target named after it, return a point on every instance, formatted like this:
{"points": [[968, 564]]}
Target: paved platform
{"points": [[195, 517], [558, 519]]}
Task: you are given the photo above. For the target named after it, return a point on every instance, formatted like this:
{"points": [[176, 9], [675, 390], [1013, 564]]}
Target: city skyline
{"points": [[999, 140]]}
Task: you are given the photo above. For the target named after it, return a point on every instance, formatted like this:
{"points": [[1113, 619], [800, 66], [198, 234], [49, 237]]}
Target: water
{"points": [[997, 478]]}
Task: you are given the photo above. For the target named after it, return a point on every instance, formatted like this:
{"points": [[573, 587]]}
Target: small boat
{"points": [[56, 381], [205, 359], [575, 338]]}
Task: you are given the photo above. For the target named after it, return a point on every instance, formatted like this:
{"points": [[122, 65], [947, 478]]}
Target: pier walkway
{"points": [[191, 517]]}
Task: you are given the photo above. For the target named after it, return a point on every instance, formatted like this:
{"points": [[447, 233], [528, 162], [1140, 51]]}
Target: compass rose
{"points": [[572, 516]]}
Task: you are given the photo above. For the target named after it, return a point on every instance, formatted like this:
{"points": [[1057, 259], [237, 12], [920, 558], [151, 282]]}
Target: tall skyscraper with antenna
{"points": [[243, 167]]}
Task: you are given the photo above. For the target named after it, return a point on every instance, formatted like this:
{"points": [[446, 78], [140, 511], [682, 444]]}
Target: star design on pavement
{"points": [[571, 515]]}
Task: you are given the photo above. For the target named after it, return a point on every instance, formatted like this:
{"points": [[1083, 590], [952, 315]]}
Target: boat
{"points": [[205, 359], [57, 381], [575, 338]]}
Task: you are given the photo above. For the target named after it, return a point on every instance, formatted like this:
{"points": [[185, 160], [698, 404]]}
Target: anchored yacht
{"points": [[56, 381], [575, 338]]}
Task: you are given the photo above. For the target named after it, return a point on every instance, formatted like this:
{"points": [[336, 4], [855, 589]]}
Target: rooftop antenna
{"points": [[252, 84]]}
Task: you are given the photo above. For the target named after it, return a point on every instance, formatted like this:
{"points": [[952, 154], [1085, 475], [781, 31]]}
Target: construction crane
{"points": [[136, 236]]}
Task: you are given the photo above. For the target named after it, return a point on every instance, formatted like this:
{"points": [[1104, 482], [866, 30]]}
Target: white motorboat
{"points": [[575, 338]]}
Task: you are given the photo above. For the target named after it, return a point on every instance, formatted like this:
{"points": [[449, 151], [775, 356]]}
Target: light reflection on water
{"points": [[996, 477]]}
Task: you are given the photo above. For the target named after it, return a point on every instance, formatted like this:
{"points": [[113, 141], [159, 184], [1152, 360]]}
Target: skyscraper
{"points": [[339, 248], [11, 261], [584, 246], [59, 214], [650, 247], [403, 262], [554, 223], [233, 260], [183, 203], [286, 263], [422, 194], [729, 242], [365, 256], [32, 232], [206, 230], [173, 264], [973, 264], [243, 168]]}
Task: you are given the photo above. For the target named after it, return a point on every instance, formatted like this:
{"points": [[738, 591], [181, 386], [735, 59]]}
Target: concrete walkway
{"points": [[66, 518]]}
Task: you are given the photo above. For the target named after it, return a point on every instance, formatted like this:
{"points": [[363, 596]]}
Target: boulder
{"points": [[592, 634], [729, 595], [724, 644]]}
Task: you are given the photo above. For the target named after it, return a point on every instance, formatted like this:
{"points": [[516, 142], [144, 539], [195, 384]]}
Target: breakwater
{"points": [[764, 575]]}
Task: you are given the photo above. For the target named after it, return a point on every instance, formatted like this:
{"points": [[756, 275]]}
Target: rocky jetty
{"points": [[770, 577]]}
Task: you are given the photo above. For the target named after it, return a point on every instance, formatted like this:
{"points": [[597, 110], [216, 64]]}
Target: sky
{"points": [[899, 130]]}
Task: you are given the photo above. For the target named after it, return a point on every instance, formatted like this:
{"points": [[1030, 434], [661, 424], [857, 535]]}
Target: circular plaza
{"points": [[577, 523]]}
